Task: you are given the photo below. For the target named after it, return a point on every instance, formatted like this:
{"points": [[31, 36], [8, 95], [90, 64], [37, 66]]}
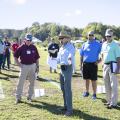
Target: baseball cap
{"points": [[109, 32], [91, 33], [28, 37]]}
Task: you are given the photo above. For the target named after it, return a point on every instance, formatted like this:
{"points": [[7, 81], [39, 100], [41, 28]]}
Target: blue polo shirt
{"points": [[90, 51]]}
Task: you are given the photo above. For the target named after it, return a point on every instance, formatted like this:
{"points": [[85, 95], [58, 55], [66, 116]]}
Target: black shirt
{"points": [[53, 46]]}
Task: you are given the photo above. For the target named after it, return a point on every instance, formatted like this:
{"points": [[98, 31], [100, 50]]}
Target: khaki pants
{"points": [[26, 71], [111, 85]]}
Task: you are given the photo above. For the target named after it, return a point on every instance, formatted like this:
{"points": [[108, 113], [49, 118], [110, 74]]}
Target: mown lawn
{"points": [[47, 107]]}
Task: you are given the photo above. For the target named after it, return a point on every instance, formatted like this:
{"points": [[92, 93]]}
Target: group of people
{"points": [[91, 53], [5, 50]]}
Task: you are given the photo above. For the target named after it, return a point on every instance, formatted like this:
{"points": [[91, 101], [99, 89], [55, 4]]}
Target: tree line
{"points": [[51, 30]]}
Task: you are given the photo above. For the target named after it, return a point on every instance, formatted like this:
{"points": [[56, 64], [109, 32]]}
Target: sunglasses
{"points": [[91, 35], [108, 36], [29, 40], [61, 38]]}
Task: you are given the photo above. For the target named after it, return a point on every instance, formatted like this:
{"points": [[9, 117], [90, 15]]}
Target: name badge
{"points": [[28, 52]]}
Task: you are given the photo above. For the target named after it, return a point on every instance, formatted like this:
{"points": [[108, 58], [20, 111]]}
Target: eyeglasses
{"points": [[91, 35], [108, 36]]}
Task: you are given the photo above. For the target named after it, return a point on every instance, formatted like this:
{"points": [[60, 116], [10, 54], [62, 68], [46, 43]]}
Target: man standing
{"points": [[2, 50], [53, 50], [65, 59], [7, 53], [110, 53], [89, 59], [29, 63], [15, 46]]}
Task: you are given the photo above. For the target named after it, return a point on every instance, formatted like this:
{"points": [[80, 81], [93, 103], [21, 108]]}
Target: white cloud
{"points": [[20, 2], [78, 12]]}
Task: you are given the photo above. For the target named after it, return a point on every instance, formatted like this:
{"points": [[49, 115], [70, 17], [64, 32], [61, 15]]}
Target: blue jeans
{"points": [[1, 60], [65, 82], [6, 57]]}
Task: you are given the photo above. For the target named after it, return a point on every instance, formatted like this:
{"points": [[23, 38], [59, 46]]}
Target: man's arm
{"points": [[37, 65], [118, 65], [17, 61], [81, 62]]}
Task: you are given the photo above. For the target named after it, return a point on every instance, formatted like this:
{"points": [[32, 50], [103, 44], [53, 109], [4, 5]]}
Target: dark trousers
{"points": [[1, 60], [6, 58], [65, 82]]}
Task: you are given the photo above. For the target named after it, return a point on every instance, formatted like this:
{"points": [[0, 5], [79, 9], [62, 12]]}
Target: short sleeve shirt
{"points": [[110, 51], [90, 51], [27, 54]]}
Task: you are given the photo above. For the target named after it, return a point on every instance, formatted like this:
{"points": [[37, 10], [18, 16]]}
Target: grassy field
{"points": [[47, 107]]}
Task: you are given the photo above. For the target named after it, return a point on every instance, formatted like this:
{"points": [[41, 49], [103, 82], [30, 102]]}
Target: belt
{"points": [[65, 65], [89, 62], [107, 63]]}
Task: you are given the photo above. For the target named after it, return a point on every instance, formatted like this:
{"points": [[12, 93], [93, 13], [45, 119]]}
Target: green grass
{"points": [[47, 107]]}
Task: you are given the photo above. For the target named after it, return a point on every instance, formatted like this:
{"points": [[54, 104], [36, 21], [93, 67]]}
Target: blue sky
{"points": [[18, 14]]}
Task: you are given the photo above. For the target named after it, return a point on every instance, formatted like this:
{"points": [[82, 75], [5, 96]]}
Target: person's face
{"points": [[90, 36], [63, 40], [28, 42], [6, 39], [108, 38]]}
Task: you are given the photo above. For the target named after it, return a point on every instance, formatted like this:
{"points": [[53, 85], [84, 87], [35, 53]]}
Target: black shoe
{"points": [[85, 94], [18, 101], [29, 99], [111, 106], [94, 97]]}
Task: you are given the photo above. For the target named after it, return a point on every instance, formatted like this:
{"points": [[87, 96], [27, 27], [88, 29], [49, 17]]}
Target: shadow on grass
{"points": [[104, 101], [9, 76], [12, 70], [77, 75], [100, 76], [55, 109], [46, 80], [5, 78]]}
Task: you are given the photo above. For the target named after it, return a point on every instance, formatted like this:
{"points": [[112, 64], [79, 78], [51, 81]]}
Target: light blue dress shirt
{"points": [[66, 51]]}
